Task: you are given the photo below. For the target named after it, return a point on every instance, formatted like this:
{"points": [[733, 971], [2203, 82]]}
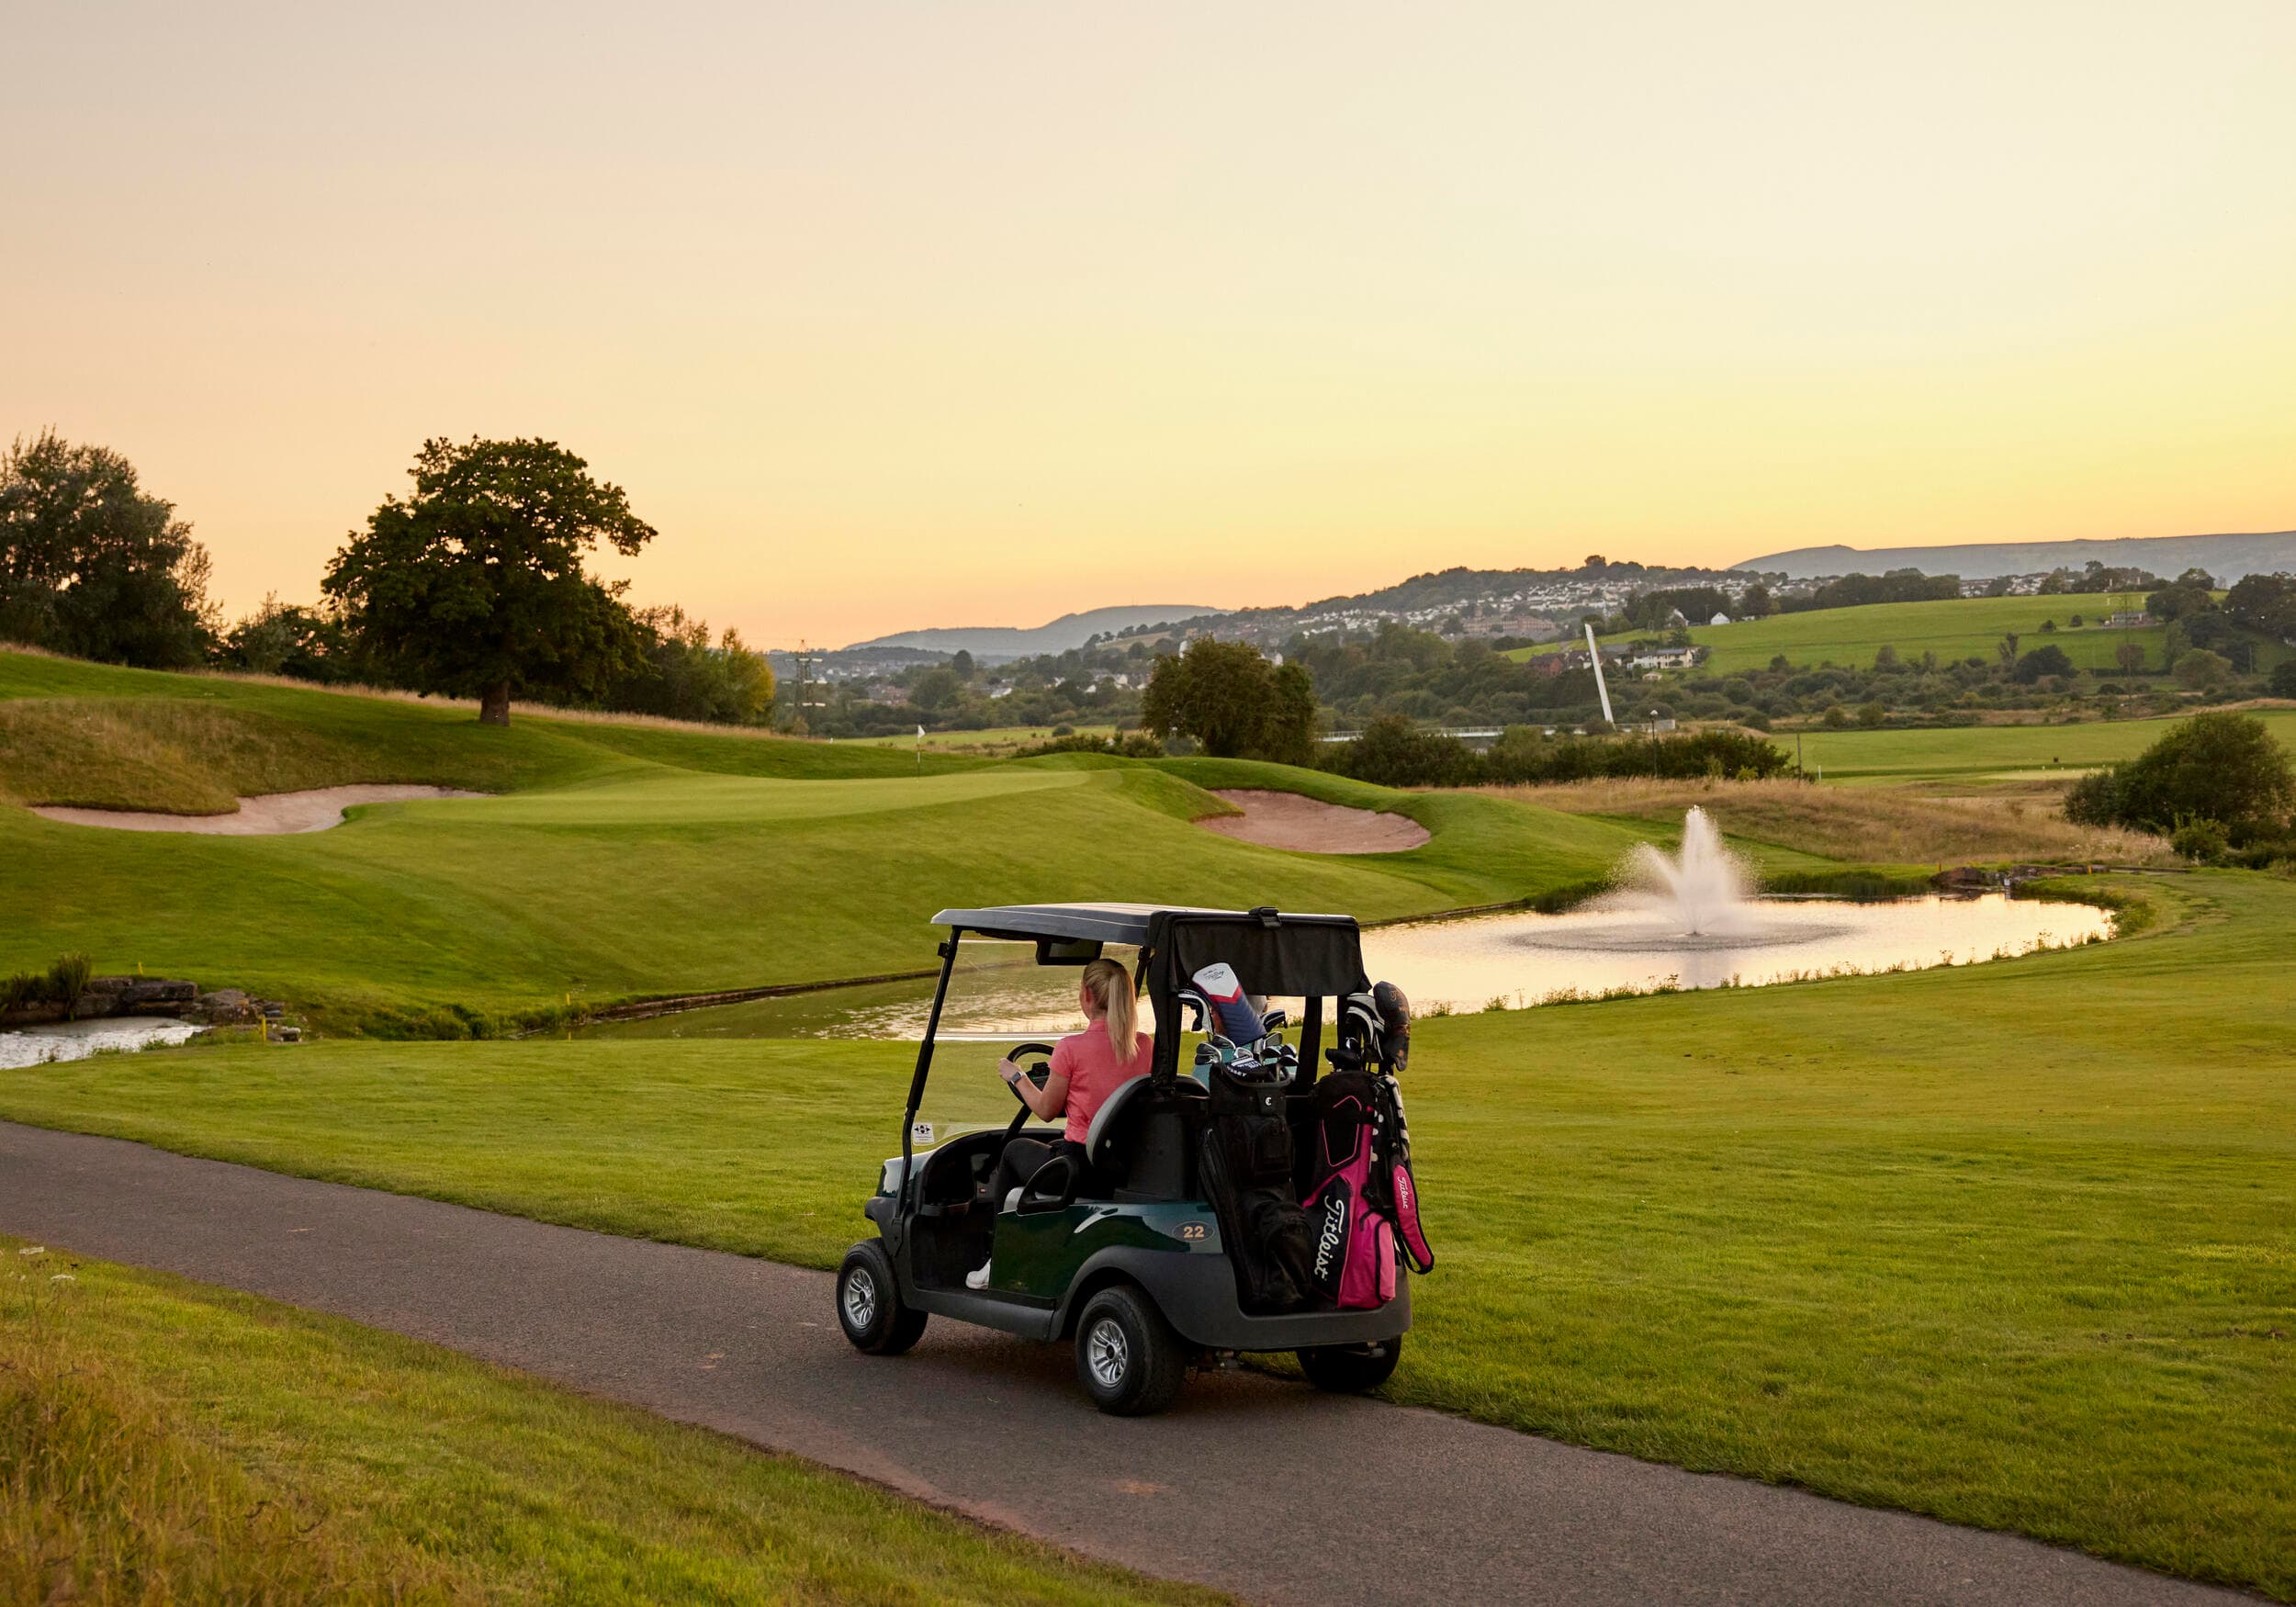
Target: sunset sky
{"points": [[902, 315]]}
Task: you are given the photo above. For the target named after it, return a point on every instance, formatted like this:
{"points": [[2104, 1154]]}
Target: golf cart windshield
{"points": [[998, 998], [1293, 962]]}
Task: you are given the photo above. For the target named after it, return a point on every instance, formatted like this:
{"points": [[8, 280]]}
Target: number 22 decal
{"points": [[1191, 1229]]}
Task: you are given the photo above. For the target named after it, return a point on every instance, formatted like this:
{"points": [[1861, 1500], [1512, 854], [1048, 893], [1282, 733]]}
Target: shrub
{"points": [[2201, 668], [2217, 767], [1873, 716], [2047, 660], [1123, 744], [1393, 752], [2284, 679], [2203, 841], [68, 979]]}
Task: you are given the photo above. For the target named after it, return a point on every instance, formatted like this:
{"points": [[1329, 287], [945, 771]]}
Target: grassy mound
{"points": [[163, 1441], [624, 861], [2004, 1243]]}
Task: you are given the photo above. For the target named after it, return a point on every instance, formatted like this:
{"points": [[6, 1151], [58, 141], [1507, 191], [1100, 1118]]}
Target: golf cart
{"points": [[1168, 1247]]}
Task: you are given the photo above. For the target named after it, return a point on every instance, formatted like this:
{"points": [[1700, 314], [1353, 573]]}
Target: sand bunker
{"points": [[1286, 820], [271, 814]]}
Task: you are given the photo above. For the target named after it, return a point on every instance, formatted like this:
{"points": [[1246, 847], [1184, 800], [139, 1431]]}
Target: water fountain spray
{"points": [[1704, 887]]}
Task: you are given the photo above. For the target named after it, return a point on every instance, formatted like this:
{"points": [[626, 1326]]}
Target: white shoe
{"points": [[978, 1277]]}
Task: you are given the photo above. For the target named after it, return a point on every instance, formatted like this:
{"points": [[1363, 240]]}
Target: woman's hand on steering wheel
{"points": [[1012, 1071]]}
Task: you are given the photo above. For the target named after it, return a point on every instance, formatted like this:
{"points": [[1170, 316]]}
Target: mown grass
{"points": [[1953, 629], [2010, 1244], [621, 861], [1863, 826], [161, 1440], [1977, 754]]}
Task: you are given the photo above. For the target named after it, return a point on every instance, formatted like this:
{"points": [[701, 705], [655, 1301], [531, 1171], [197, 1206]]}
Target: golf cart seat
{"points": [[1139, 1141]]}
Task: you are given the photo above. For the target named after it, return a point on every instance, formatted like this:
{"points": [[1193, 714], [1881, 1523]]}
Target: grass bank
{"points": [[2009, 1244], [161, 1440], [620, 860]]}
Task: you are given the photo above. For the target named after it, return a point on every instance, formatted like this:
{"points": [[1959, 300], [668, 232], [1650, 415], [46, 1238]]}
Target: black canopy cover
{"points": [[1274, 954]]}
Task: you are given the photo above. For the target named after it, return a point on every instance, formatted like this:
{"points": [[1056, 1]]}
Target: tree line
{"points": [[473, 584]]}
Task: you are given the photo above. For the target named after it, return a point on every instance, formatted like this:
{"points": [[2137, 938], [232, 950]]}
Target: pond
{"points": [[1464, 964], [71, 1040]]}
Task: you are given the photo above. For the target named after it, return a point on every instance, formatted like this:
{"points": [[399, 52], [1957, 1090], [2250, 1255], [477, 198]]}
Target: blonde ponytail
{"points": [[1111, 988]]}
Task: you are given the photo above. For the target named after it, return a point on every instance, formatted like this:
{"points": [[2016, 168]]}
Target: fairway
{"points": [[2008, 1244], [1954, 629], [1976, 753], [628, 860]]}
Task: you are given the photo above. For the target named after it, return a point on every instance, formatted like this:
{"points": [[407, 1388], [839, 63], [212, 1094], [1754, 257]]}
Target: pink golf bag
{"points": [[1363, 1206]]}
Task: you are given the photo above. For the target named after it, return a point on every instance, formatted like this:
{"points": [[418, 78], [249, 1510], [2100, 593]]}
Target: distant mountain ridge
{"points": [[2226, 557], [1071, 630]]}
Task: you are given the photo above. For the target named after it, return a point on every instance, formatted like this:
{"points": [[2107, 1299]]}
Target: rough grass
{"points": [[170, 755], [1863, 824], [164, 1442], [2009, 1243]]}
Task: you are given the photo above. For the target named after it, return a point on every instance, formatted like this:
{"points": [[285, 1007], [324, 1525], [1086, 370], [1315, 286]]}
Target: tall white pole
{"points": [[1600, 686]]}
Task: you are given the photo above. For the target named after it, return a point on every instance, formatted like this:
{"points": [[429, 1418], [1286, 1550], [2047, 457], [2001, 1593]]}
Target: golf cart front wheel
{"points": [[1351, 1370], [869, 1303], [1128, 1358]]}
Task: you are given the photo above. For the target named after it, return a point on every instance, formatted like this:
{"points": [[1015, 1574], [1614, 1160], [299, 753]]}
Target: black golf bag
{"points": [[1246, 1163]]}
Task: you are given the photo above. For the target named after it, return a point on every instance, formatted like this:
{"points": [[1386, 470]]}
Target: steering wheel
{"points": [[1039, 1076]]}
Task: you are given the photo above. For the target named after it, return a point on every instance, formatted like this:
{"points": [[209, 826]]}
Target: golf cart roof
{"points": [[1109, 922]]}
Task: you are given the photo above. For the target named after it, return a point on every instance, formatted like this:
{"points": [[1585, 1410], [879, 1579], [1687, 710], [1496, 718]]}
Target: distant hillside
{"points": [[1527, 603], [2227, 557], [1071, 630]]}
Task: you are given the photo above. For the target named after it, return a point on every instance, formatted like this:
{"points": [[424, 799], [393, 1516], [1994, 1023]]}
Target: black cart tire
{"points": [[1128, 1358], [869, 1303], [1351, 1370]]}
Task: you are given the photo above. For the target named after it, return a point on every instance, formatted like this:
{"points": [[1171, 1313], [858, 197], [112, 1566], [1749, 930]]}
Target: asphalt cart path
{"points": [[1265, 1488]]}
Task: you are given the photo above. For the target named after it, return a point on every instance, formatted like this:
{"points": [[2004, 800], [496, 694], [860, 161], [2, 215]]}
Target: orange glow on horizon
{"points": [[893, 318]]}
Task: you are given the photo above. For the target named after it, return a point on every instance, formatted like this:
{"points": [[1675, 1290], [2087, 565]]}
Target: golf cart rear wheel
{"points": [[1351, 1370], [869, 1303], [1128, 1358]]}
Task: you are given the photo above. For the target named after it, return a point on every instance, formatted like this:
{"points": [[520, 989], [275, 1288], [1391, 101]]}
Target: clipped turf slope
{"points": [[625, 860]]}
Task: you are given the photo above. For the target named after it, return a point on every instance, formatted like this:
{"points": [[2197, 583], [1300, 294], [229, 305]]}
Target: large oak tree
{"points": [[475, 585]]}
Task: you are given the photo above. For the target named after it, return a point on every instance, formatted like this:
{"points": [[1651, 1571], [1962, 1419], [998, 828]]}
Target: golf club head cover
{"points": [[1394, 1023], [1238, 1022], [1406, 1190]]}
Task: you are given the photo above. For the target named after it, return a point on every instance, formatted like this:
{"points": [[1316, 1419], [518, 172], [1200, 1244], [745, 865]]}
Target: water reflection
{"points": [[71, 1040], [1518, 958]]}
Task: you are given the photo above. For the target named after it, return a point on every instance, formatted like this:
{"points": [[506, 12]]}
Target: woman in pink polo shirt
{"points": [[1086, 1068]]}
